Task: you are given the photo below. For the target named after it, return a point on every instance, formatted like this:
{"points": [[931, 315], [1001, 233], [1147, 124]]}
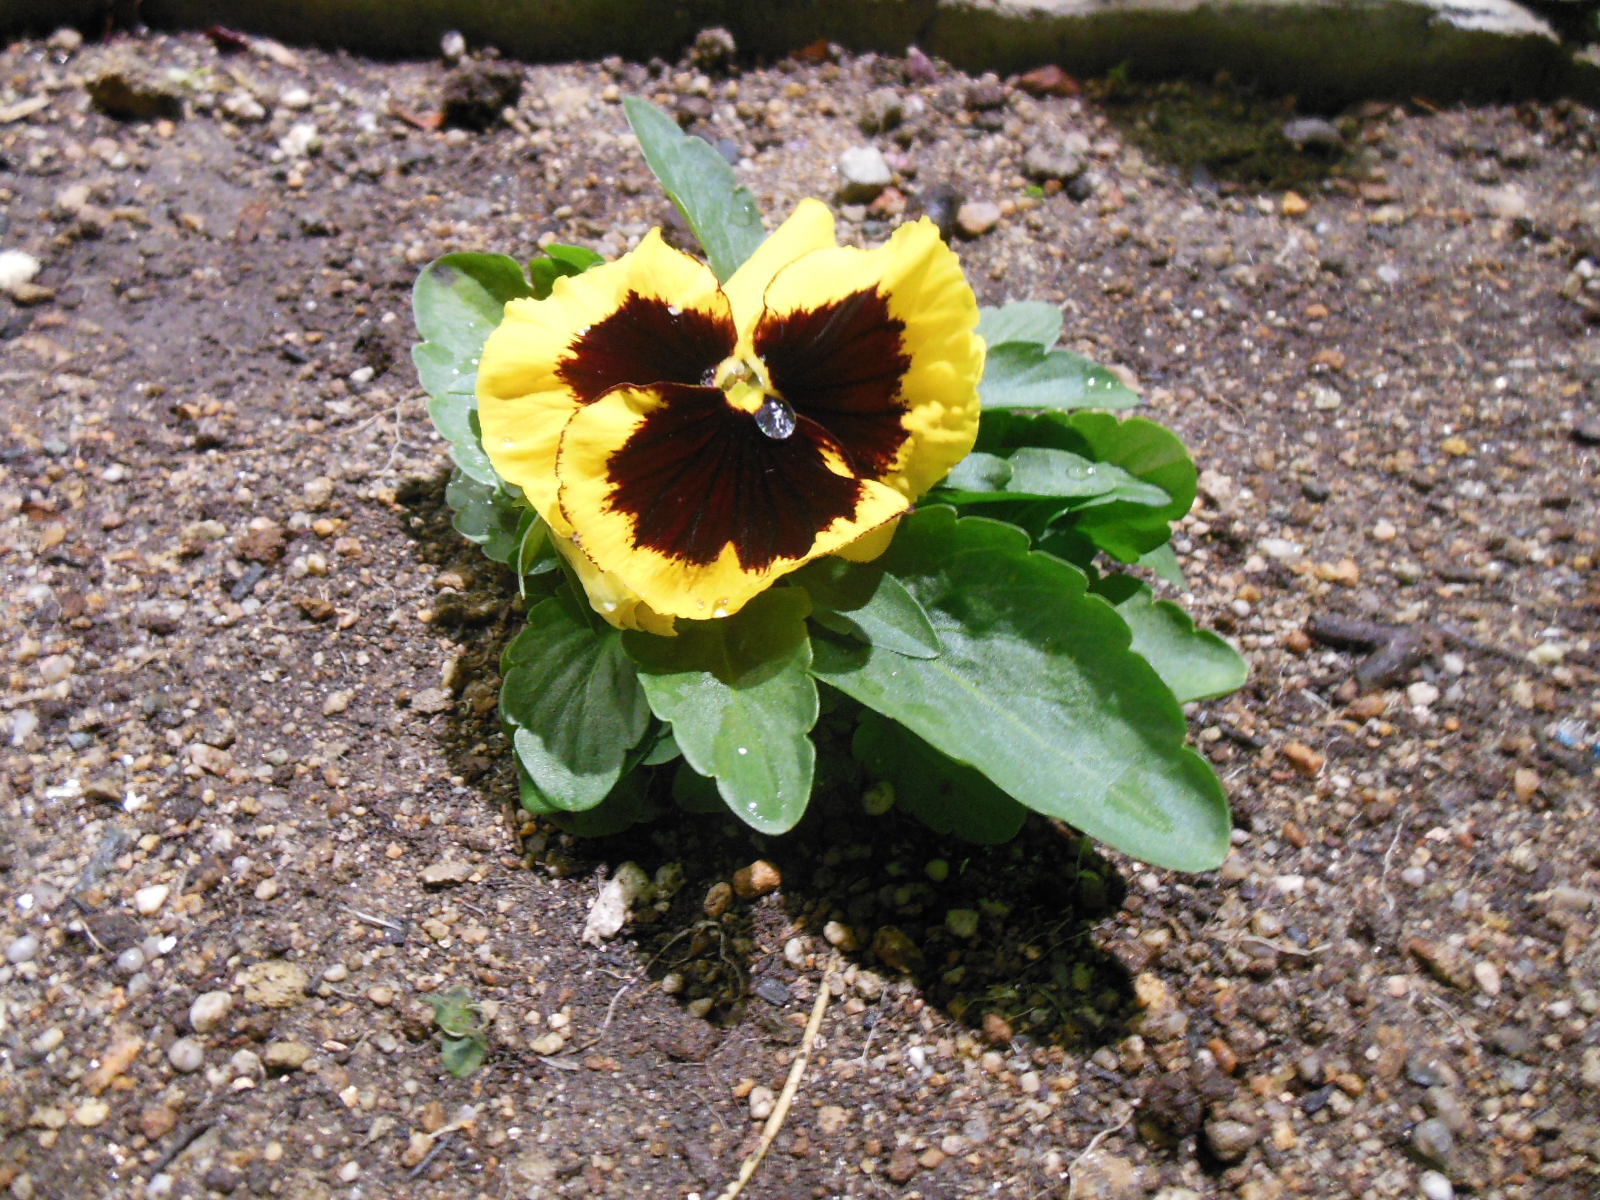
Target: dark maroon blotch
{"points": [[642, 343], [841, 364], [698, 475]]}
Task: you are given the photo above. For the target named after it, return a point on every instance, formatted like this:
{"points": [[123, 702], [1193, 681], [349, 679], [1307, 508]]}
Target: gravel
{"points": [[250, 663]]}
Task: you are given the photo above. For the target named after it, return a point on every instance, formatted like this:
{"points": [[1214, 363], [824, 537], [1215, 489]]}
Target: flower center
{"points": [[748, 387]]}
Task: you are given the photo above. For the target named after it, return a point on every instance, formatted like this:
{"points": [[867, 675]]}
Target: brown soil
{"points": [[251, 671]]}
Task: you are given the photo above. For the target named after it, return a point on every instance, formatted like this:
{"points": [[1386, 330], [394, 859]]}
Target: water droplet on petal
{"points": [[775, 418]]}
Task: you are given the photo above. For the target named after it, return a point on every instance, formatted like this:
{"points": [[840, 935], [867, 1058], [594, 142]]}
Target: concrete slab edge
{"points": [[1328, 52]]}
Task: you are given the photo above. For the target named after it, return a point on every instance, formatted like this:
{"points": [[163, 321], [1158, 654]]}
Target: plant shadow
{"points": [[1224, 137], [997, 938]]}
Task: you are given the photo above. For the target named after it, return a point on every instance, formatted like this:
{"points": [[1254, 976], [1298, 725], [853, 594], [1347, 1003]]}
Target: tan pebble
{"points": [[1455, 447], [719, 898], [117, 1059], [1525, 782], [209, 1010], [831, 1119], [157, 1121], [336, 703], [977, 217], [931, 1158], [758, 879], [997, 1029], [416, 1149], [762, 1101], [896, 949], [275, 983], [1293, 204], [1150, 992], [286, 1056], [548, 1043], [1365, 708], [147, 901], [91, 1113], [840, 936], [1487, 976], [1303, 758]]}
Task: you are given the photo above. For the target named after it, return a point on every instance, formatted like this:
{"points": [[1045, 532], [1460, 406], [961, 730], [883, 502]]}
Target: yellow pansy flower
{"points": [[688, 443]]}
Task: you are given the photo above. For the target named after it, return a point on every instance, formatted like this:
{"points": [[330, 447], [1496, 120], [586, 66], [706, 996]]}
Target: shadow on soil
{"points": [[1225, 137], [999, 938]]}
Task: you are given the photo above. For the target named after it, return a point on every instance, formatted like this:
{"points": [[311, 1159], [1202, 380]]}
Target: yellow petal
{"points": [[899, 382], [809, 227], [542, 362], [610, 597], [681, 496], [871, 545]]}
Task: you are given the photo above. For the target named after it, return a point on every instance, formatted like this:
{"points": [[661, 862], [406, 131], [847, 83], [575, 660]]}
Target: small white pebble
{"points": [[186, 1054], [762, 1102], [209, 1010], [17, 267], [22, 949], [147, 901], [1421, 694]]}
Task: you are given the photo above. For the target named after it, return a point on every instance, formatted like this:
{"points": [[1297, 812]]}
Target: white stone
{"points": [[17, 267], [209, 1010], [186, 1054], [147, 901], [1421, 694], [22, 949]]}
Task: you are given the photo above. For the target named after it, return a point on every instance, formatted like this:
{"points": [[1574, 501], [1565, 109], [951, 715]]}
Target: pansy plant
{"points": [[802, 481]]}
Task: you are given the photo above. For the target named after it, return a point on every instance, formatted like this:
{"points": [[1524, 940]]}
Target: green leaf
{"points": [[628, 804], [462, 1045], [1038, 689], [860, 600], [557, 262], [462, 1056], [1195, 663], [1040, 471], [721, 211], [663, 750], [1163, 560], [455, 1012], [740, 703], [943, 794], [575, 702], [455, 416], [1021, 321], [535, 555], [979, 473], [1026, 375], [1127, 530], [457, 301], [487, 515], [695, 792]]}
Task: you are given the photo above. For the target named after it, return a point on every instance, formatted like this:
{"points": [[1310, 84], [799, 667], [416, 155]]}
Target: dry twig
{"points": [[769, 1132]]}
